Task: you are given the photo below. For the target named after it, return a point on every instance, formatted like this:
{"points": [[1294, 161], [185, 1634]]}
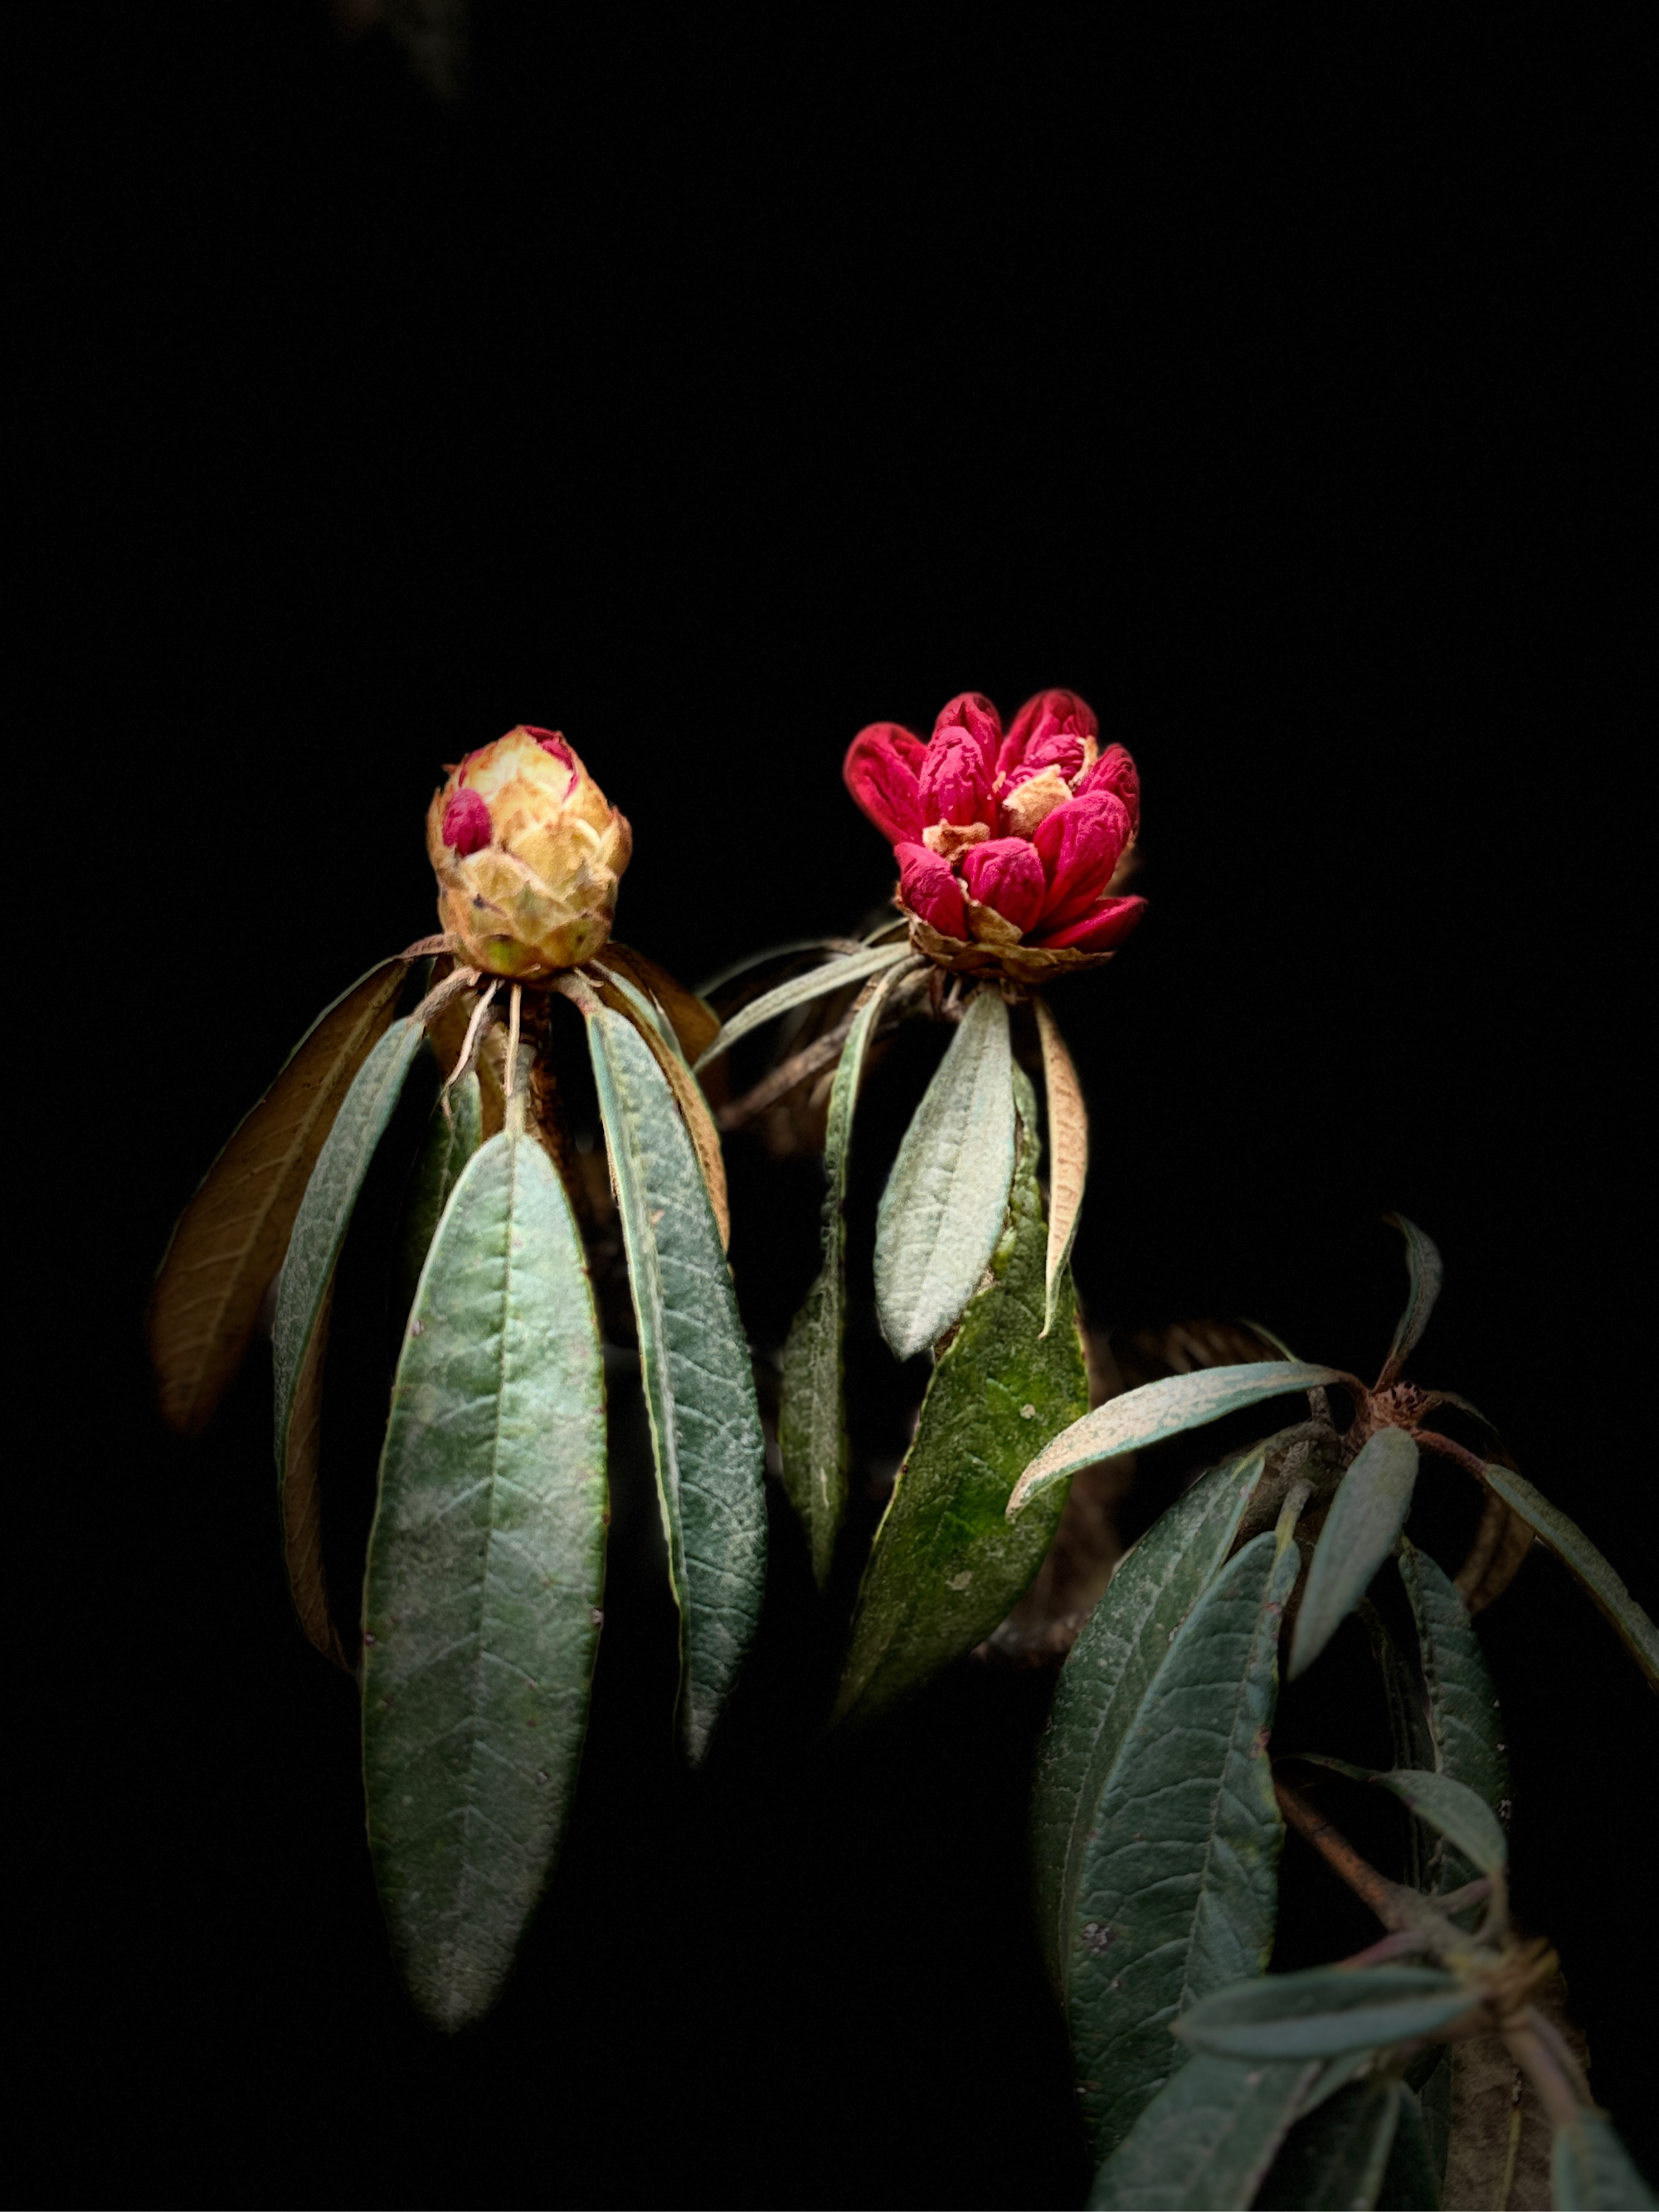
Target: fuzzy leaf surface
{"points": [[1156, 1410], [1339, 2154], [485, 1573], [1371, 1502], [1427, 1272], [229, 1241], [624, 997], [694, 1366], [811, 1424], [1323, 2012], [1179, 1883], [1205, 2141], [319, 1231], [1110, 1670], [1068, 1153], [1590, 2170], [943, 1209], [1465, 1725], [445, 1151], [1593, 1574], [692, 1019], [1464, 1818], [946, 1567], [800, 991]]}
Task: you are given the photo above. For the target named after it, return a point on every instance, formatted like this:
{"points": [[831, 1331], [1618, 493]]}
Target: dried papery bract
{"points": [[480, 1601]]}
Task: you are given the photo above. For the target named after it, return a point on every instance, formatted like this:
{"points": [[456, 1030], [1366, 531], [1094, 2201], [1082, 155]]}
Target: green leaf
{"points": [[1156, 1410], [1108, 1670], [1408, 1725], [1372, 1501], [445, 1151], [1593, 1573], [1205, 2141], [1178, 1884], [943, 1209], [1323, 2012], [486, 1569], [811, 1427], [1590, 2170], [302, 1290], [695, 1365], [946, 1567], [228, 1245], [1465, 1725], [835, 975], [1434, 2118], [842, 946], [1338, 2155], [1464, 1818], [1426, 1272]]}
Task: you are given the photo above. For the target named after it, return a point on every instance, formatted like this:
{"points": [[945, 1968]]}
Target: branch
{"points": [[1397, 1908]]}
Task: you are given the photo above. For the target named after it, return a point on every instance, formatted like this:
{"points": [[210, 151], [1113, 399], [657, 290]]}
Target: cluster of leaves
{"points": [[474, 1632], [1161, 1797]]}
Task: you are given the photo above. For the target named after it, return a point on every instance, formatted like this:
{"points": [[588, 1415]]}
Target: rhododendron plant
{"points": [[1008, 844], [480, 1083]]}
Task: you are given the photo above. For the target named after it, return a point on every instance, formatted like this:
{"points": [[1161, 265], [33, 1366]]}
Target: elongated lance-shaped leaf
{"points": [[1426, 1272], [1465, 1724], [229, 1242], [1107, 1672], [448, 1145], [625, 997], [1590, 2170], [946, 1567], [1457, 1813], [811, 1425], [1339, 2154], [1324, 2012], [1206, 2140], [1179, 1883], [835, 975], [1408, 1727], [694, 1366], [1434, 2118], [1156, 1410], [843, 947], [693, 1023], [1592, 1572], [1462, 1818], [486, 1568], [1068, 1153], [298, 1341], [942, 1211], [1371, 1502]]}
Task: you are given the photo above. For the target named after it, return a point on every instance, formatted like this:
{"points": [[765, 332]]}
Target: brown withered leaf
{"points": [[688, 1096], [302, 1510], [1068, 1154], [230, 1239], [693, 1021]]}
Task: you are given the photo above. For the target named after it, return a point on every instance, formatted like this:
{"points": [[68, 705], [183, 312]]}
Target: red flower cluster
{"points": [[1005, 838]]}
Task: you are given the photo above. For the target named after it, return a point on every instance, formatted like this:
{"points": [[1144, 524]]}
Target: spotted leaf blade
{"points": [[1178, 1886], [946, 1567], [694, 1366], [229, 1242], [1110, 1668], [811, 1422], [485, 1573]]}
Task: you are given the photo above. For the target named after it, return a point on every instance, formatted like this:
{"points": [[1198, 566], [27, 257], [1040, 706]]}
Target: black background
{"points": [[707, 388]]}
